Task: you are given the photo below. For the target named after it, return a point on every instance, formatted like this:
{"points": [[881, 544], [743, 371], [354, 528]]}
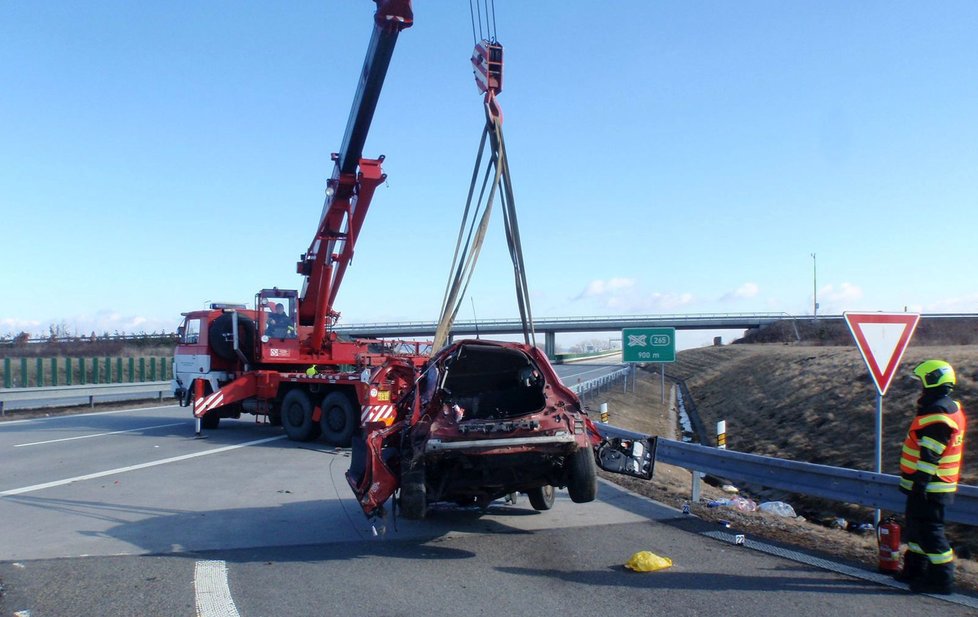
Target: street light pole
{"points": [[814, 288]]}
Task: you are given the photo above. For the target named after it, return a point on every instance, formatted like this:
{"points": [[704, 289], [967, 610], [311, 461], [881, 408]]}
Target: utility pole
{"points": [[814, 288]]}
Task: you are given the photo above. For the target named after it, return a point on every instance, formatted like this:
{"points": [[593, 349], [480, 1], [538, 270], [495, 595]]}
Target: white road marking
{"points": [[213, 596], [110, 472], [131, 430]]}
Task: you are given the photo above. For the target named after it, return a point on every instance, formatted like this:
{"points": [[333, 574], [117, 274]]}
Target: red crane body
{"points": [[281, 358]]}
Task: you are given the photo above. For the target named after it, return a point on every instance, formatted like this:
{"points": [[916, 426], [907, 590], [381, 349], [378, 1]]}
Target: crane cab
{"points": [[278, 328]]}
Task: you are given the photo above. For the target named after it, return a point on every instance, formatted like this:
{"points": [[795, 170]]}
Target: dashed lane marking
{"points": [[211, 591], [118, 470], [131, 430]]}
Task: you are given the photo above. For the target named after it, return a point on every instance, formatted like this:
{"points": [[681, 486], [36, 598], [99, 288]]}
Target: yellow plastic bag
{"points": [[645, 561]]}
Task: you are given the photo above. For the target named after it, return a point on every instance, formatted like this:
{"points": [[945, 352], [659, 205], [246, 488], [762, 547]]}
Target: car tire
{"points": [[542, 498], [414, 497], [339, 419], [582, 480], [297, 416]]}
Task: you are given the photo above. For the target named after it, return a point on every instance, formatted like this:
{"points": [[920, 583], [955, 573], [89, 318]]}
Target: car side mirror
{"points": [[629, 457]]}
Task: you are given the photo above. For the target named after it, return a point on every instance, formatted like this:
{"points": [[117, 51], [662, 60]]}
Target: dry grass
{"points": [[814, 404]]}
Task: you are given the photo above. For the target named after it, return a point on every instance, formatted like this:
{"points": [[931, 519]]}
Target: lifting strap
{"points": [[469, 243]]}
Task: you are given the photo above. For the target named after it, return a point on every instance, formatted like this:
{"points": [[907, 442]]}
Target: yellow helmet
{"points": [[933, 373]]}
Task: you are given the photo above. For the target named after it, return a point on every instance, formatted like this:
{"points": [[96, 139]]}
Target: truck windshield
{"points": [[191, 332]]}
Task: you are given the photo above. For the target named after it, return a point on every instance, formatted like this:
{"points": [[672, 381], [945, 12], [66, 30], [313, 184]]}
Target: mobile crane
{"points": [[281, 358]]}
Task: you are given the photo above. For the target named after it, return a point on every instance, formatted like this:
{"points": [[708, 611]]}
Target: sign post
{"points": [[881, 338], [650, 345]]}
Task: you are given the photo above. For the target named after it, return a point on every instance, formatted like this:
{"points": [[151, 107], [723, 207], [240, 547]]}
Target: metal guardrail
{"points": [[865, 488], [599, 382], [87, 391]]}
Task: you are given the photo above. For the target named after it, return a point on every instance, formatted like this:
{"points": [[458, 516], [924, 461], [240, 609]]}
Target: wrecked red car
{"points": [[486, 419]]}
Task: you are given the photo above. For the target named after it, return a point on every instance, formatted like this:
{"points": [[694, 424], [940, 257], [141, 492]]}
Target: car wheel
{"points": [[414, 497], [339, 419], [297, 416], [542, 498], [582, 480]]}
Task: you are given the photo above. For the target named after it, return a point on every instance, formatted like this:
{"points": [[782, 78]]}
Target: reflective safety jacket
{"points": [[934, 462]]}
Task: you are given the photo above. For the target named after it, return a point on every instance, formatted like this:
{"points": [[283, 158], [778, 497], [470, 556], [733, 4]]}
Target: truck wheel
{"points": [[297, 416], [275, 417], [542, 498], [210, 420], [582, 479], [414, 497], [339, 419]]}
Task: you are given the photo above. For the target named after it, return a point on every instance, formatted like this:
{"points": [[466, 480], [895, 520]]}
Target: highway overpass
{"points": [[550, 326]]}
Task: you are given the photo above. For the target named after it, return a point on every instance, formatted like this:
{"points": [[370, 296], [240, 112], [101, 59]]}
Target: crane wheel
{"points": [[297, 416], [339, 419], [210, 420]]}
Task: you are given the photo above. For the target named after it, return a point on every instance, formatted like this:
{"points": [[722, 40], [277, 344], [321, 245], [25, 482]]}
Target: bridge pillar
{"points": [[550, 344]]}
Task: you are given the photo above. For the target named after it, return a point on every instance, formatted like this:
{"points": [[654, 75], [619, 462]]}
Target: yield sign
{"points": [[882, 338]]}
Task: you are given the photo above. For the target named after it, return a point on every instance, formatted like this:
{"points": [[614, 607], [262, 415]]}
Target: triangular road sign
{"points": [[882, 339]]}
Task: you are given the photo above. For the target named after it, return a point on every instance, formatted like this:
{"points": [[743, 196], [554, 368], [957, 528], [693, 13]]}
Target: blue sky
{"points": [[667, 157]]}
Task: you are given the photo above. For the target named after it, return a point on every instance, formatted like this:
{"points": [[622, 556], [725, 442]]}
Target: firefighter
{"points": [[930, 465]]}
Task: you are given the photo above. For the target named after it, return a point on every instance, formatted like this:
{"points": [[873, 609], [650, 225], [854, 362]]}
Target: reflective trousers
{"points": [[926, 543]]}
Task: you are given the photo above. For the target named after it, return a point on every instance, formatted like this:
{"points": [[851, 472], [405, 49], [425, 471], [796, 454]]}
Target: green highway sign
{"points": [[648, 345]]}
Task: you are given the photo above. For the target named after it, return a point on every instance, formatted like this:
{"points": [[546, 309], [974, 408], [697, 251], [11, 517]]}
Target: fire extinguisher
{"points": [[888, 537]]}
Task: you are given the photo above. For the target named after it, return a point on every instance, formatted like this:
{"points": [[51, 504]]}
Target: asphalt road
{"points": [[125, 513]]}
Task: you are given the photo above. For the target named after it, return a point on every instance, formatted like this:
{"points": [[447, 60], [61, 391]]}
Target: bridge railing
{"points": [[873, 490], [599, 384]]}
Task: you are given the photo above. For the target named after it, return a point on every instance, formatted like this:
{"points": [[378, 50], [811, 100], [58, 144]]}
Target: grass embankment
{"points": [[814, 404]]}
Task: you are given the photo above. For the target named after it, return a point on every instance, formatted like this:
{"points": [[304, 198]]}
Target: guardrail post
{"points": [[132, 369], [91, 401], [7, 380], [54, 371]]}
